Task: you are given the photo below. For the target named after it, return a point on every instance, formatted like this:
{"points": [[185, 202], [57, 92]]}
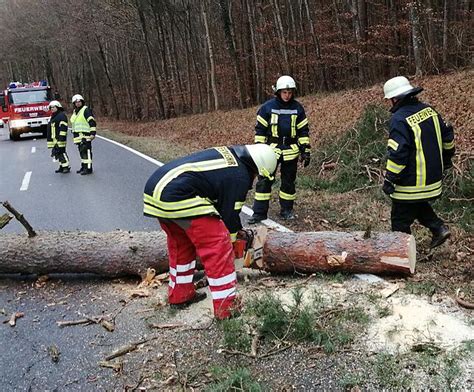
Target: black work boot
{"points": [[80, 170], [66, 170], [287, 214], [197, 298], [256, 219], [59, 170], [86, 172], [440, 236]]}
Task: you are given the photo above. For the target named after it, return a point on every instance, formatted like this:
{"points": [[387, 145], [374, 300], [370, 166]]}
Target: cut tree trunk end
{"points": [[121, 253]]}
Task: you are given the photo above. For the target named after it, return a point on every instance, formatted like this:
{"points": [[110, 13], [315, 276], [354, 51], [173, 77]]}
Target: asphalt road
{"points": [[111, 198]]}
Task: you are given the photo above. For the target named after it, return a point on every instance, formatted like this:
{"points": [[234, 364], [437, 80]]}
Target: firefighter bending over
{"points": [[56, 136], [84, 131], [420, 148], [197, 200], [282, 124]]}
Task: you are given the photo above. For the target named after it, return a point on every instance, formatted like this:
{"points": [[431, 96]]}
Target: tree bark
{"points": [[211, 58], [416, 37], [122, 253]]}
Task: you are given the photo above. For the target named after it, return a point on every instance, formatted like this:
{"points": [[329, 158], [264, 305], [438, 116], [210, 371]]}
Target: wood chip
{"points": [[167, 325], [14, 317]]}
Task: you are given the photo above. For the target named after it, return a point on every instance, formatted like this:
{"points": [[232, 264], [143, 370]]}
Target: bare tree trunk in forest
{"points": [[445, 33], [109, 78], [251, 23], [306, 84], [127, 80], [393, 20], [158, 96], [292, 37], [165, 56], [281, 36], [231, 48], [211, 58], [102, 102], [416, 37], [357, 34], [174, 68], [137, 102], [316, 46], [49, 69]]}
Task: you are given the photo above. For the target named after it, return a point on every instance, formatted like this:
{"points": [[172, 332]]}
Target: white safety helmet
{"points": [[55, 103], [77, 97], [399, 86], [284, 82], [264, 158]]}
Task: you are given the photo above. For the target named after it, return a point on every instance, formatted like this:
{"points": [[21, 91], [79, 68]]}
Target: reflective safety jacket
{"points": [[83, 124], [419, 145], [56, 133], [209, 182], [284, 126]]}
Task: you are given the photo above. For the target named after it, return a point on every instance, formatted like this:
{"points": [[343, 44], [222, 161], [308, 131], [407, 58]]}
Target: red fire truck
{"points": [[25, 108]]}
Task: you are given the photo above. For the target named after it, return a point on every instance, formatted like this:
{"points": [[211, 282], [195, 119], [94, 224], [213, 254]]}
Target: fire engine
{"points": [[25, 107]]}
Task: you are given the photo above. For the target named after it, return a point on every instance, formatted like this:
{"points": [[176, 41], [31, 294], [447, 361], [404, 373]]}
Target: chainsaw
{"points": [[248, 248]]}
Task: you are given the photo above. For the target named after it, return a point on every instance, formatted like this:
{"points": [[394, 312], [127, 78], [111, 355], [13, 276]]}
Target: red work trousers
{"points": [[209, 238]]}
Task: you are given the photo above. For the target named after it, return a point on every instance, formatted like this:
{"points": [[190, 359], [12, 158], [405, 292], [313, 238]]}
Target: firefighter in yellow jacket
{"points": [[84, 131], [56, 136], [420, 148], [282, 124]]}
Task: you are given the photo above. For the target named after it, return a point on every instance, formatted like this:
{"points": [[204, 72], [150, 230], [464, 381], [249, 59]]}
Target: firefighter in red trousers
{"points": [[197, 200], [420, 148]]}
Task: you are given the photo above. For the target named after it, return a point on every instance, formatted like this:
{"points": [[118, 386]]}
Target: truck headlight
{"points": [[18, 123]]}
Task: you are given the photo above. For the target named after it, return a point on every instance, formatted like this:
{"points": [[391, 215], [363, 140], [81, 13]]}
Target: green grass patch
{"points": [[314, 321], [233, 379], [421, 288]]}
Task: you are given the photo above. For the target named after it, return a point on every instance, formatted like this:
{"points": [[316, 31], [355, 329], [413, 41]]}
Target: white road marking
{"points": [[33, 150], [26, 181]]}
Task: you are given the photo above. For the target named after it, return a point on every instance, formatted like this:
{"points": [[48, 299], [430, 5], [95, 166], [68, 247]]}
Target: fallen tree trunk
{"points": [[122, 253]]}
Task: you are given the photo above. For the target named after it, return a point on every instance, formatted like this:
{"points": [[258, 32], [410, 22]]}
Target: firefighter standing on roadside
{"points": [[56, 136], [282, 124], [420, 149], [197, 200], [84, 131]]}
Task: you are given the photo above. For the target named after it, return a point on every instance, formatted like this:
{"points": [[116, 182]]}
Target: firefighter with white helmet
{"points": [[84, 130], [197, 200], [282, 124], [56, 136], [420, 148]]}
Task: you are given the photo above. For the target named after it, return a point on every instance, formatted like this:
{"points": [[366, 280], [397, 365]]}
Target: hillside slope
{"points": [[451, 94]]}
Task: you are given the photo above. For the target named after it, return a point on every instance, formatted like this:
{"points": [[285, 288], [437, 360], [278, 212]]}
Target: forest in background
{"points": [[158, 59]]}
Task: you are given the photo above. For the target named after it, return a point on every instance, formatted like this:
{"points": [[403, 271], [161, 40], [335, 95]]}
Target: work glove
{"points": [[305, 158], [388, 187]]}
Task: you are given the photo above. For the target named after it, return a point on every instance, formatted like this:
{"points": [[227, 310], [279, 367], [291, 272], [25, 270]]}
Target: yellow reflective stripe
{"points": [[274, 122], [260, 139], [302, 123], [448, 145], [63, 123], [177, 205], [233, 236], [150, 210], [413, 189], [90, 118], [392, 144], [262, 121], [303, 140], [420, 158], [287, 196], [262, 196], [438, 137], [61, 144], [51, 144], [187, 167], [394, 167], [238, 205], [63, 133], [293, 125], [416, 196]]}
